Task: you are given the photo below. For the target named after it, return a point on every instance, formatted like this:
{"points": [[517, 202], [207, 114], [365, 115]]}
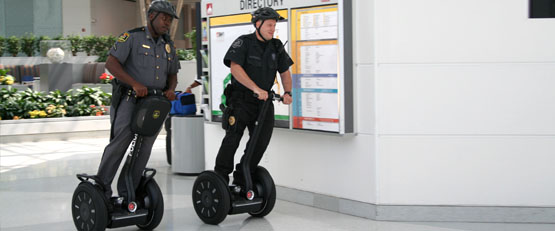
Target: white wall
{"points": [[339, 166], [76, 15], [466, 107], [454, 105], [114, 17]]}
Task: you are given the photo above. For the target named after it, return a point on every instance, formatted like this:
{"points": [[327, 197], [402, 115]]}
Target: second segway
{"points": [[143, 207], [213, 199]]}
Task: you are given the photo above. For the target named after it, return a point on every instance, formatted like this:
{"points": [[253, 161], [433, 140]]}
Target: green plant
{"points": [[102, 48], [13, 45], [40, 38], [59, 98], [91, 96], [33, 96], [111, 41], [58, 37], [30, 104], [192, 35], [76, 43], [102, 57], [2, 45], [101, 45], [89, 42], [28, 44], [9, 106], [6, 79], [185, 54]]}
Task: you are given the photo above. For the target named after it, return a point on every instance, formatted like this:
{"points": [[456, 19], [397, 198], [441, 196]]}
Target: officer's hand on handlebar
{"points": [[170, 94], [140, 90], [287, 99], [261, 94]]}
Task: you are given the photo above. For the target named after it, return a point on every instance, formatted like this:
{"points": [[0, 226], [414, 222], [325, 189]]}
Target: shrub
{"points": [[28, 44], [13, 45], [31, 104]]}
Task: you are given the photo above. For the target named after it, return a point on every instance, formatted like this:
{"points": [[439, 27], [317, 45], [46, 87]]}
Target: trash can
{"points": [[187, 144]]}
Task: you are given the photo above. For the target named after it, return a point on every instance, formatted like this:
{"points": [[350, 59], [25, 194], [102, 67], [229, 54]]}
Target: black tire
{"points": [[265, 187], [153, 200], [211, 197], [88, 208]]}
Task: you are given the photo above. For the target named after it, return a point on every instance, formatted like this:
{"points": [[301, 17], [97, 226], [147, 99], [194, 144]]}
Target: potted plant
{"points": [[2, 45], [28, 44], [39, 39], [13, 45], [76, 43], [6, 79], [89, 42]]}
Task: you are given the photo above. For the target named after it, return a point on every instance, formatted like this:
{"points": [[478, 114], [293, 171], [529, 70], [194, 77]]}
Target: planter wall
{"points": [[54, 128]]}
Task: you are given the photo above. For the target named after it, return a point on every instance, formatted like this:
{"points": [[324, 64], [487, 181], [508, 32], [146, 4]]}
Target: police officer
{"points": [[254, 60], [141, 59]]}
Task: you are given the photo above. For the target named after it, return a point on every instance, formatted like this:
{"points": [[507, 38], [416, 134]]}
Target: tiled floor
{"points": [[37, 180]]}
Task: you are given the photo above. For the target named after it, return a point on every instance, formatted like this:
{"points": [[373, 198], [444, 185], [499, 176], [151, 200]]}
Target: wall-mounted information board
{"points": [[223, 31], [315, 50], [319, 42]]}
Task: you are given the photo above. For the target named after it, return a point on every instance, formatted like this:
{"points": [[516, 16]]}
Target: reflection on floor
{"points": [[37, 180]]}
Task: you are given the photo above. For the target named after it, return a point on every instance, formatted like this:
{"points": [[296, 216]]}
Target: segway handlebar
{"points": [[150, 92], [271, 95]]}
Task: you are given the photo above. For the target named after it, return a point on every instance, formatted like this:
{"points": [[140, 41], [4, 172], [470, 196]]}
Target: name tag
{"points": [[146, 46]]}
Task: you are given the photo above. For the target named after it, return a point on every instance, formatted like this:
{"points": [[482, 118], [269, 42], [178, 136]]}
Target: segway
{"points": [[143, 207], [213, 199]]}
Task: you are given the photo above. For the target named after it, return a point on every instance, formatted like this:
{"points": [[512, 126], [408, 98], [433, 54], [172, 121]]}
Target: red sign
{"points": [[208, 8]]}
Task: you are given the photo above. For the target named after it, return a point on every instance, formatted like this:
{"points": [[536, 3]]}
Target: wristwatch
{"points": [[288, 92]]}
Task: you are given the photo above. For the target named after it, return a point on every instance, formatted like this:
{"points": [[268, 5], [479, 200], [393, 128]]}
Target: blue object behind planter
{"points": [[184, 104]]}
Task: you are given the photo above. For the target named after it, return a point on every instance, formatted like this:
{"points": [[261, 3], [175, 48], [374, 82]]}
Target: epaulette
{"points": [[142, 28]]}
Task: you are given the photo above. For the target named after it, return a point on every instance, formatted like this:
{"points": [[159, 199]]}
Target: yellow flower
{"points": [[8, 80], [2, 78], [42, 114], [15, 117], [34, 113]]}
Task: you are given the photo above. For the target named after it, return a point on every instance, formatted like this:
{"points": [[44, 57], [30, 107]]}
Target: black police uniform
{"points": [[149, 61], [260, 60]]}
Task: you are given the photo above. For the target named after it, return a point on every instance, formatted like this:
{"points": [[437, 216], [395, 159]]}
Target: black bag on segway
{"points": [[149, 115]]}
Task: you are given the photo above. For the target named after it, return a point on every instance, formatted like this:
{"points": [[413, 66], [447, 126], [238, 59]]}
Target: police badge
{"points": [[168, 48], [231, 120]]}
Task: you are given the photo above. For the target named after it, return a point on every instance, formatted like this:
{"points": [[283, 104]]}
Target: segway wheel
{"points": [[154, 202], [89, 208], [211, 197], [267, 189]]}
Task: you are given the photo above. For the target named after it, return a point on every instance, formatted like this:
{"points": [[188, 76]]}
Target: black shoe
{"points": [[116, 203], [238, 178]]}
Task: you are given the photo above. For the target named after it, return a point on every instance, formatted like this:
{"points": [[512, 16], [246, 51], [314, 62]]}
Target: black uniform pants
{"points": [[245, 112], [115, 150]]}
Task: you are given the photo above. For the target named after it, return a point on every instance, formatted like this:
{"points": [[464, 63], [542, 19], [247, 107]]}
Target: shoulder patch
{"points": [[238, 43], [123, 37]]}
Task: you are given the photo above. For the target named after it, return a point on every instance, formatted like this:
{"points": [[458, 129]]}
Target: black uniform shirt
{"points": [[259, 62], [148, 61]]}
